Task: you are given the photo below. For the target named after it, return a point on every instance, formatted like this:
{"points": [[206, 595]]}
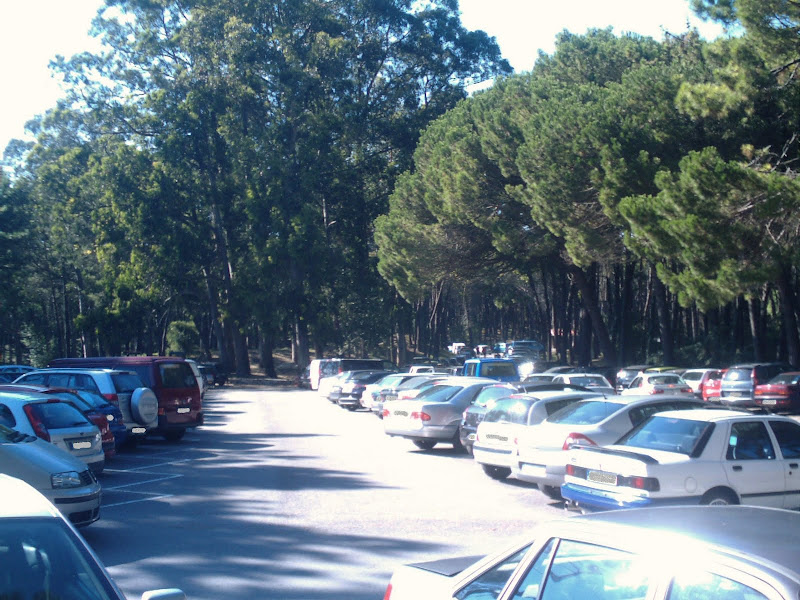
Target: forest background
{"points": [[236, 175]]}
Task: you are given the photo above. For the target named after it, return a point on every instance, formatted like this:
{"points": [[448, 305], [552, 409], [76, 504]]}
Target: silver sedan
{"points": [[434, 415]]}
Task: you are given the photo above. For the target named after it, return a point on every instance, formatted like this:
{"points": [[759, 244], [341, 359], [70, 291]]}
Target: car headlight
{"points": [[97, 438], [110, 418], [69, 479]]}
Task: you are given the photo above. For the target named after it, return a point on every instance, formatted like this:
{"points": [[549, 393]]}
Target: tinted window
{"points": [[499, 370], [588, 381], [692, 375], [126, 382], [354, 364], [92, 398], [737, 374], [749, 440], [586, 413], [788, 436], [176, 375], [56, 415], [510, 411], [691, 586], [34, 378], [6, 418], [489, 584], [553, 406], [786, 378], [439, 393], [671, 435], [532, 583]]}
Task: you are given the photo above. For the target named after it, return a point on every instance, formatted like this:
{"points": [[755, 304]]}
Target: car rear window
{"points": [[786, 378], [692, 375], [588, 381], [126, 382], [587, 412], [737, 374], [508, 369], [669, 434], [56, 415], [439, 393], [176, 375], [510, 411]]}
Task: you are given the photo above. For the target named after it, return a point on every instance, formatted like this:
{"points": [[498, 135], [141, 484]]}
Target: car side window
{"points": [[6, 418], [749, 440], [691, 586], [59, 380], [36, 378], [788, 436], [489, 584], [637, 382], [581, 570], [532, 582]]}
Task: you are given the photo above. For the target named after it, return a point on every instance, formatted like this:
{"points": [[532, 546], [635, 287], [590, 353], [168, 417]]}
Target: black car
{"points": [[347, 392], [213, 373]]}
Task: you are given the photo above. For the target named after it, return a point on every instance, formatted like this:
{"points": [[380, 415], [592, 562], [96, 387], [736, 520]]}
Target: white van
{"points": [[319, 368]]}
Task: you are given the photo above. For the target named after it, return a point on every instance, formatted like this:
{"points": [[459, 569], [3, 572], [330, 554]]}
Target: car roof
{"points": [[765, 535], [22, 500], [713, 415], [24, 396], [103, 370]]}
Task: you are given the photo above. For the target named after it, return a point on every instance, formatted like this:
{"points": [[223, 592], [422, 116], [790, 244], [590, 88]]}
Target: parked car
{"points": [[351, 387], [740, 381], [214, 374], [591, 381], [54, 421], [658, 383], [45, 557], [539, 377], [499, 369], [406, 390], [326, 385], [486, 398], [677, 553], [9, 373], [594, 422], [706, 456], [372, 391], [697, 378], [124, 389], [495, 444], [530, 347], [65, 480], [199, 377], [626, 374], [711, 387], [171, 379], [318, 369], [100, 413], [780, 394], [434, 415]]}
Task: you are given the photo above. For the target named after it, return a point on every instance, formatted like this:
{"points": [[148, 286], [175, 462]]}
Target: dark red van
{"points": [[171, 379]]}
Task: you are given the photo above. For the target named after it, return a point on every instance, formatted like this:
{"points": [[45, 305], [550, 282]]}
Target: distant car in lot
{"points": [[43, 557], [495, 444], [780, 394], [434, 415], [658, 383], [711, 388], [124, 389], [594, 422], [706, 456], [697, 379], [214, 374], [406, 390], [668, 553], [500, 369], [347, 393], [371, 394], [591, 381], [56, 422], [539, 377], [626, 374], [740, 381], [65, 480], [9, 373]]}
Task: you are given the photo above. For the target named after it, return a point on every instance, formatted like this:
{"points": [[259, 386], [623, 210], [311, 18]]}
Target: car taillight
{"points": [[686, 390], [577, 439], [422, 416], [656, 391], [112, 398], [38, 425], [385, 413], [649, 484]]}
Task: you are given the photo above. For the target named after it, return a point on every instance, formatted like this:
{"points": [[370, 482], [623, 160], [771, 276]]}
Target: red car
{"points": [[710, 385], [781, 393]]}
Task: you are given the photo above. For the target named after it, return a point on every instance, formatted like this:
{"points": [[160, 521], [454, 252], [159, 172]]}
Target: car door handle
{"points": [[737, 467], [792, 465]]}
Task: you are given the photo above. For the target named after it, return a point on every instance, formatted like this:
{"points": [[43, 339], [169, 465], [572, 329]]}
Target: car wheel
{"points": [[144, 406], [174, 435], [352, 408], [457, 445], [719, 498], [551, 491], [498, 473], [425, 444]]}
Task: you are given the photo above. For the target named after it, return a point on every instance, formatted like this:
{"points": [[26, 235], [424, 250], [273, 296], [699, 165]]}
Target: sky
{"points": [[33, 32]]}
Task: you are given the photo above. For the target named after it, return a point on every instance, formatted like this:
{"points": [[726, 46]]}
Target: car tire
{"points": [[719, 497], [551, 491], [144, 406], [425, 444], [174, 435], [457, 445], [498, 473]]}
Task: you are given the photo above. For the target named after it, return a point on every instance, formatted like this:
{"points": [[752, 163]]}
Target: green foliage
{"points": [[182, 336]]}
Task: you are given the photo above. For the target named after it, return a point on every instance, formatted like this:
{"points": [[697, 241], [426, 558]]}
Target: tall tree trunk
{"points": [[598, 323], [663, 315], [266, 347], [788, 316]]}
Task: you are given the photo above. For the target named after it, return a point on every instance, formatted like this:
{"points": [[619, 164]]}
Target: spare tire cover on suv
{"points": [[144, 407]]}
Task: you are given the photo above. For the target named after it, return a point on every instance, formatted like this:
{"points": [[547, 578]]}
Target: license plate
{"points": [[138, 430], [533, 470], [81, 445], [770, 402], [400, 413], [183, 410], [602, 477]]}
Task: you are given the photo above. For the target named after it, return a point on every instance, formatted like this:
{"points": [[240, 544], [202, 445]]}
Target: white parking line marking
{"points": [[153, 466], [119, 487], [139, 500]]}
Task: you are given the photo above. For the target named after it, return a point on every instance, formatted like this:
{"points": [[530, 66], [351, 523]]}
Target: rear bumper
{"points": [[579, 497]]}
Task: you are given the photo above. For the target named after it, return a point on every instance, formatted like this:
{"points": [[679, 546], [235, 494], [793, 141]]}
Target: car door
{"points": [[752, 466], [787, 436]]}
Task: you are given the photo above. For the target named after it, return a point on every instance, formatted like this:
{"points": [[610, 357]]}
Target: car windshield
{"points": [[668, 434], [664, 379], [42, 559], [587, 412], [589, 381], [786, 378], [439, 393]]}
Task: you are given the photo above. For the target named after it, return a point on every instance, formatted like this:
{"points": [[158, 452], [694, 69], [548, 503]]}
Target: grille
{"points": [[87, 477]]}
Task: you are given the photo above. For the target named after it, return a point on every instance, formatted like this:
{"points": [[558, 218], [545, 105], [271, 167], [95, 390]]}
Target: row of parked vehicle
{"points": [[59, 426], [656, 442]]}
